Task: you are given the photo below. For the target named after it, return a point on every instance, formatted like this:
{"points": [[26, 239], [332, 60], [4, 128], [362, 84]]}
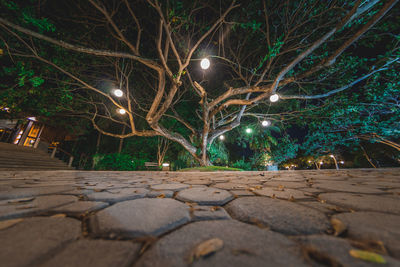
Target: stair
{"points": [[13, 157]]}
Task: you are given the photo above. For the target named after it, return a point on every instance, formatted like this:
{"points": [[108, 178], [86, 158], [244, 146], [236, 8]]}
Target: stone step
{"points": [[12, 147], [34, 168], [22, 157], [27, 163], [14, 157]]}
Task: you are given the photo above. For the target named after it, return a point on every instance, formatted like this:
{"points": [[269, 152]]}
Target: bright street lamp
{"points": [[248, 130], [121, 111], [274, 98], [265, 123], [118, 93], [205, 63], [221, 137]]}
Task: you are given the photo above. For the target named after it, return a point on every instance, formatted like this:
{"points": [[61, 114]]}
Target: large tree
{"points": [[151, 50]]}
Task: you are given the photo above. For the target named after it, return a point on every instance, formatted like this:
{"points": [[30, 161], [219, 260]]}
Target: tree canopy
{"points": [[336, 60]]}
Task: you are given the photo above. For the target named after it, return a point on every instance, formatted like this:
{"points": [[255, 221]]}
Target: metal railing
{"points": [[54, 151]]}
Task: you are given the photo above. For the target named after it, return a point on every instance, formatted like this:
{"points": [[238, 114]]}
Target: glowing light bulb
{"points": [[118, 93], [265, 123], [221, 137], [121, 111], [205, 63], [274, 98], [341, 162], [248, 130]]}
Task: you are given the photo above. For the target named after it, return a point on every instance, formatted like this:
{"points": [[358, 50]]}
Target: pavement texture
{"points": [[285, 218]]}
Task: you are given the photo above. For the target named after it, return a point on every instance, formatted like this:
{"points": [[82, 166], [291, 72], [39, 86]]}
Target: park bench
{"points": [[151, 166]]}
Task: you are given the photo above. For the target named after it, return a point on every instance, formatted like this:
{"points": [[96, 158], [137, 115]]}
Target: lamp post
{"points": [[334, 159]]}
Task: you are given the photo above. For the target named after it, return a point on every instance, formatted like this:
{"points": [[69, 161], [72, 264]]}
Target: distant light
{"points": [[309, 161], [274, 98], [341, 162], [121, 111], [248, 130], [205, 63], [118, 93], [32, 118], [332, 156], [221, 137], [165, 164], [321, 163], [265, 123]]}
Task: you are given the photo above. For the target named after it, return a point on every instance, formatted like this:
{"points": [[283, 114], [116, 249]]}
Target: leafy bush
{"points": [[118, 162], [241, 164]]}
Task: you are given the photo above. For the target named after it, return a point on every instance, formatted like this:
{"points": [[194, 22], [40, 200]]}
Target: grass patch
{"points": [[210, 169]]}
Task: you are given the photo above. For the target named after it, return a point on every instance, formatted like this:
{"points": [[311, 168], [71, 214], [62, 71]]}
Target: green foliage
{"points": [[218, 154], [272, 52], [118, 162], [241, 164]]}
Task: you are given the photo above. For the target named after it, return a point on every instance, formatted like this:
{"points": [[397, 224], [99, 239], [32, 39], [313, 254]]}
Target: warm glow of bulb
{"points": [[274, 98], [118, 93], [221, 137], [165, 164], [332, 156], [321, 163], [121, 111], [341, 162], [265, 123], [205, 63], [248, 130]]}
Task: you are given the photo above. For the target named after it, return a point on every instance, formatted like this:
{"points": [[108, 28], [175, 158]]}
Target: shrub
{"points": [[118, 162]]}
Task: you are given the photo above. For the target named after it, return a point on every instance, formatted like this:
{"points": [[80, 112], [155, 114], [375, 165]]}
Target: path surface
{"points": [[286, 218]]}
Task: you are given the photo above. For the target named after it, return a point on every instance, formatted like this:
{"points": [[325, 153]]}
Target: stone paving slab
{"points": [[336, 250], [141, 217], [203, 213], [243, 245], [205, 196], [117, 195], [363, 202], [80, 207], [21, 207], [95, 253], [374, 226], [279, 215], [284, 218], [27, 242]]}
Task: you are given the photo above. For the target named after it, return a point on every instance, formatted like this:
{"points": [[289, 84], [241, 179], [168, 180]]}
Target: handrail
{"points": [[71, 158]]}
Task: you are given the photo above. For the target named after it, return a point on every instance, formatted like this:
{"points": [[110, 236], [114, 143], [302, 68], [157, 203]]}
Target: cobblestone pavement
{"points": [[285, 218]]}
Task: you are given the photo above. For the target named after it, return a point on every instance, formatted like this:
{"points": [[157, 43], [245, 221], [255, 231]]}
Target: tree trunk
{"points": [[121, 140]]}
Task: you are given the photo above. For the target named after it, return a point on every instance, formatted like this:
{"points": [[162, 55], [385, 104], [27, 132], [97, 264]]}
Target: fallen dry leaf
{"points": [[20, 200], [367, 256], [161, 196], [291, 198], [25, 207], [8, 223], [206, 248], [370, 245], [60, 215], [338, 226]]}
